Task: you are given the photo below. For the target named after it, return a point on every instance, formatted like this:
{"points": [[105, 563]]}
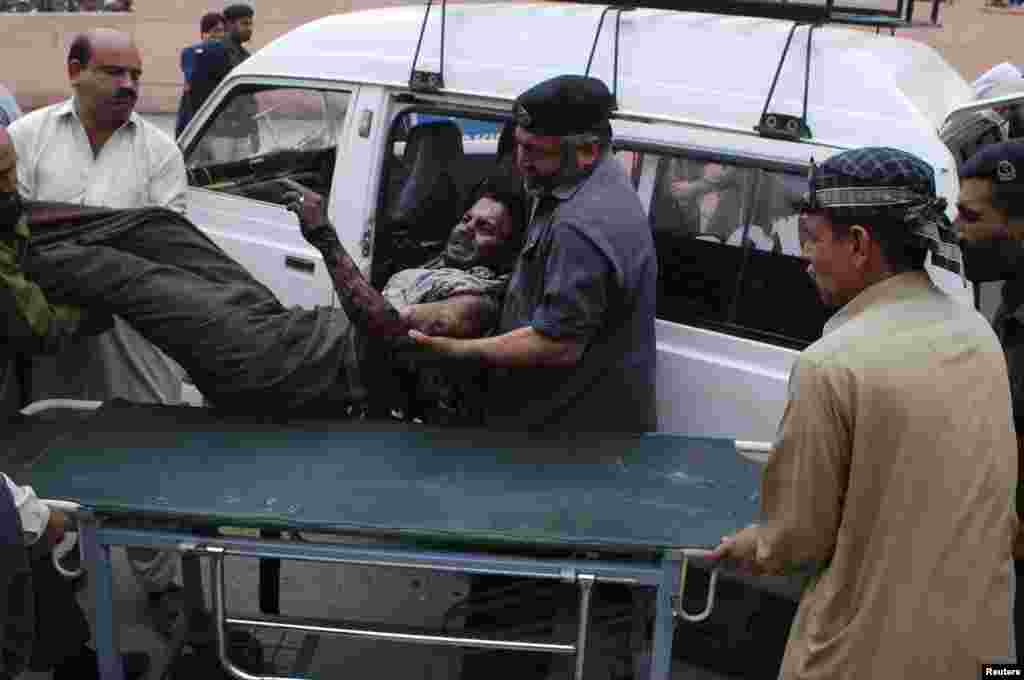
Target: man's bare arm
{"points": [[524, 347], [365, 306]]}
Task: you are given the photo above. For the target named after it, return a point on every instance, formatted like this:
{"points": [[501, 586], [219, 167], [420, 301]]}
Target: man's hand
{"points": [[447, 347], [983, 230], [55, 528], [739, 551], [682, 189], [307, 205]]}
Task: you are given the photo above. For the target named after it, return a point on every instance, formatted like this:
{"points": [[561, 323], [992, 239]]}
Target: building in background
{"points": [[38, 40]]}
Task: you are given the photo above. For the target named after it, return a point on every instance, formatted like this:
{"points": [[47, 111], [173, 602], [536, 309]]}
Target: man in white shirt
{"points": [[94, 150]]}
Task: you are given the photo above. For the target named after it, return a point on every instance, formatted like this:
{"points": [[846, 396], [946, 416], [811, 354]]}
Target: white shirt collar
{"points": [[69, 107]]}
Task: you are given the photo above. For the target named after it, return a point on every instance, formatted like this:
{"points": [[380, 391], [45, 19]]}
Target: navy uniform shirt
{"points": [[1008, 324], [1003, 260], [587, 271]]}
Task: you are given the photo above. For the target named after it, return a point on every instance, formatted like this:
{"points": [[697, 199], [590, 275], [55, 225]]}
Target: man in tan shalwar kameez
{"points": [[895, 466]]}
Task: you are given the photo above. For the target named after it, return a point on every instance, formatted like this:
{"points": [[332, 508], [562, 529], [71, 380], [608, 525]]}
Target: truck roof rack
{"points": [[428, 81], [872, 13], [810, 13]]}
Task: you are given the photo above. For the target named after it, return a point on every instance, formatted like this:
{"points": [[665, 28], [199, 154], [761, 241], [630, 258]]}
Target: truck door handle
{"points": [[299, 263]]}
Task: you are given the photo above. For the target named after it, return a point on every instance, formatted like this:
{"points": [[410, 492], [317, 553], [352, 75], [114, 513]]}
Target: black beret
{"points": [[1003, 163], [238, 11], [565, 105]]}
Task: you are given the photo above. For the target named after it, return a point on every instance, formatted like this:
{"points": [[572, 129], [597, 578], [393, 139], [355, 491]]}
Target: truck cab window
{"points": [[728, 248], [260, 135]]}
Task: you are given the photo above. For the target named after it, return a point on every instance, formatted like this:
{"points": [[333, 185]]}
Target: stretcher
{"points": [[629, 509]]}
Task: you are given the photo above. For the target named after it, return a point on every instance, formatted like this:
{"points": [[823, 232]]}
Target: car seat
{"points": [[428, 204]]}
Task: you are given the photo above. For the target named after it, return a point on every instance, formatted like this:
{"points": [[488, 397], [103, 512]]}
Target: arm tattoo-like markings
{"points": [[363, 305]]}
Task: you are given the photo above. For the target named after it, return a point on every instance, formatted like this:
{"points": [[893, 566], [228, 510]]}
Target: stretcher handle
{"points": [[67, 544], [73, 404], [756, 451], [677, 605]]}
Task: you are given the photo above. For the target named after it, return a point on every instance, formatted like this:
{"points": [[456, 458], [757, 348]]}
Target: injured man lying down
{"points": [[245, 351]]}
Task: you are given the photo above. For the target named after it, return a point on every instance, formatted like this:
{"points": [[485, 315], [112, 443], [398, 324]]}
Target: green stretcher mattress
{"points": [[635, 493]]}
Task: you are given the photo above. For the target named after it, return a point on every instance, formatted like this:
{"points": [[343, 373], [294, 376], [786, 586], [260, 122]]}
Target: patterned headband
{"points": [[923, 214]]}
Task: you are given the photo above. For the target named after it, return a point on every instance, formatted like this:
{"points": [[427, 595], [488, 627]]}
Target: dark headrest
{"points": [[434, 142]]}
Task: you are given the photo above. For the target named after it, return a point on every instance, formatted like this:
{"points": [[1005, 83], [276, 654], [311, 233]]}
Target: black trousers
{"points": [[61, 626]]}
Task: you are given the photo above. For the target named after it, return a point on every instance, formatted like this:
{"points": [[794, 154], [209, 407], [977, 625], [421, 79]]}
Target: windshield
{"points": [[256, 122]]}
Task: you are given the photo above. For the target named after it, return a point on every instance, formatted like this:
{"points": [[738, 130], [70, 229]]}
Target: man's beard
{"points": [[569, 173], [11, 210], [462, 251]]}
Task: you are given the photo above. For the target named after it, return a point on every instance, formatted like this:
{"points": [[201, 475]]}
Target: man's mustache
{"points": [[125, 93]]}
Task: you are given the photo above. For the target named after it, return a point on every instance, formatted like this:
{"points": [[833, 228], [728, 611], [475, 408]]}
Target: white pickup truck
{"points": [[332, 104]]}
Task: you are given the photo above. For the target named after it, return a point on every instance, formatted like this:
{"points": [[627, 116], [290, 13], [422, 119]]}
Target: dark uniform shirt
{"points": [[210, 76], [236, 52], [1008, 324], [587, 271], [1003, 260]]}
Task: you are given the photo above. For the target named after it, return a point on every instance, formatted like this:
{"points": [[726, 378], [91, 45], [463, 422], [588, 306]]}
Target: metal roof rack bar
{"points": [[768, 9], [597, 35], [637, 117], [807, 70], [426, 81], [620, 114], [804, 11], [615, 53], [778, 69]]}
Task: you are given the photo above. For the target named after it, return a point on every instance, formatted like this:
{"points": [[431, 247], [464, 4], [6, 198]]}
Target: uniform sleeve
{"points": [[805, 480], [32, 324], [575, 298], [188, 60], [168, 182], [33, 513]]}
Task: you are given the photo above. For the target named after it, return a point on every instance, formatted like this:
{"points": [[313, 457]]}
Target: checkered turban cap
{"points": [[884, 182]]}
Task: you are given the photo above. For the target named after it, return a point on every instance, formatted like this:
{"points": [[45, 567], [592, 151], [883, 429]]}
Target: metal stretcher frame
{"points": [[664, 571], [667, 576]]}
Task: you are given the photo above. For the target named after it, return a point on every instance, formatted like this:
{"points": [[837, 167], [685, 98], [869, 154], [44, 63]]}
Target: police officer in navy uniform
{"points": [[211, 30], [575, 349], [991, 222]]}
